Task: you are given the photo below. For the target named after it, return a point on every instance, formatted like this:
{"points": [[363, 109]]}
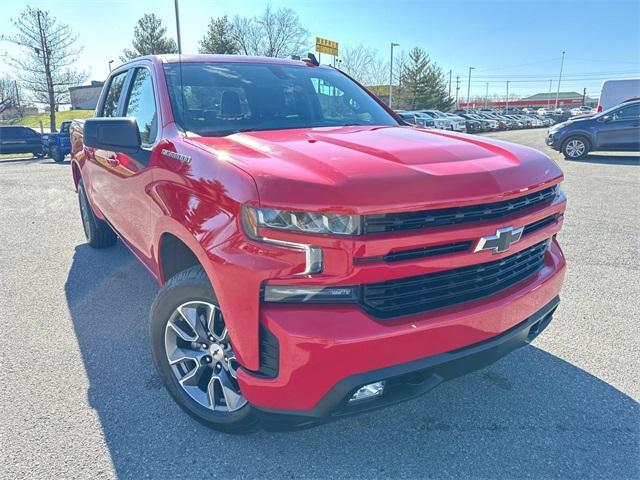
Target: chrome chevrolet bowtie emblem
{"points": [[501, 241]]}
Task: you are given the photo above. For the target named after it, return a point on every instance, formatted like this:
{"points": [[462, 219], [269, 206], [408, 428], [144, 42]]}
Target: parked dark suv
{"points": [[616, 129], [17, 139]]}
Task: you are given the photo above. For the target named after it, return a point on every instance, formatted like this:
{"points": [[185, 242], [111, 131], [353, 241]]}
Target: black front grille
{"points": [[396, 222], [427, 292]]}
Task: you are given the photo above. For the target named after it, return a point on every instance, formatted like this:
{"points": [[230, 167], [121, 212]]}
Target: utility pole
{"points": [[584, 95], [391, 72], [457, 89], [549, 98], [560, 78], [469, 85], [486, 97], [450, 83], [506, 105], [178, 26]]}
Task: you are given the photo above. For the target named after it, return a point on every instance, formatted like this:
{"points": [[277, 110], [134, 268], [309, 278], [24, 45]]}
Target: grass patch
{"points": [[33, 121]]}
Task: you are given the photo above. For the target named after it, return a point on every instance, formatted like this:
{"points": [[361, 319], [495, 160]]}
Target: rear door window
{"points": [[110, 108], [632, 111], [10, 133]]}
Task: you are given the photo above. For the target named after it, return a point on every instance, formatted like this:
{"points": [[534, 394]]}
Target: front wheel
{"points": [[575, 148], [193, 353]]}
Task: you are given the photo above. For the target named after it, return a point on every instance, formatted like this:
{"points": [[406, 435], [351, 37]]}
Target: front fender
{"points": [[205, 214]]}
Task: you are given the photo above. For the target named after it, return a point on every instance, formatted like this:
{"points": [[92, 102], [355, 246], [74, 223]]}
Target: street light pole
{"points": [[110, 62], [506, 105], [559, 79], [469, 85], [178, 26], [450, 71], [391, 72], [486, 97], [549, 98]]}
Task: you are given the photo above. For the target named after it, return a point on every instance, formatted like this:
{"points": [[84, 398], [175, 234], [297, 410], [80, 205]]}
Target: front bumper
{"points": [[552, 140], [409, 380], [323, 346]]}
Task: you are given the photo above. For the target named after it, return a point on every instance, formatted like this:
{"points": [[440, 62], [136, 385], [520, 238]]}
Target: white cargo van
{"points": [[614, 92]]}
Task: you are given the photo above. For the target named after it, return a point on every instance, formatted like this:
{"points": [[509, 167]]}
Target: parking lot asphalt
{"points": [[79, 396]]}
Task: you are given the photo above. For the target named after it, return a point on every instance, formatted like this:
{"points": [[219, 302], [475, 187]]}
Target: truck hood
{"points": [[363, 170]]}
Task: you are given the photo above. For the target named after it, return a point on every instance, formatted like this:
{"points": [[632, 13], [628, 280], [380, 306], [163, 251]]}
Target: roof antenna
{"points": [[180, 64], [311, 58]]}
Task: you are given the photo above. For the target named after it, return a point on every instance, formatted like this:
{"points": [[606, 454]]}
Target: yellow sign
{"points": [[326, 46]]}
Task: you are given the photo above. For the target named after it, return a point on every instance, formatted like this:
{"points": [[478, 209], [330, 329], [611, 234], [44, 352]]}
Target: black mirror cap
{"points": [[117, 134]]}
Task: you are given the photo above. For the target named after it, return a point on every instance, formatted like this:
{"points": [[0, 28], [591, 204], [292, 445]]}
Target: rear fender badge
{"points": [[501, 241], [177, 156]]}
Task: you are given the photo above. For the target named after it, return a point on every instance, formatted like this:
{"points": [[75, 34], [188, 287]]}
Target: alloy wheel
{"points": [[201, 357], [575, 148]]}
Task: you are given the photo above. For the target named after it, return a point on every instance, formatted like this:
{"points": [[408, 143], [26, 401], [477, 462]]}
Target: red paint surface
{"points": [[337, 170]]}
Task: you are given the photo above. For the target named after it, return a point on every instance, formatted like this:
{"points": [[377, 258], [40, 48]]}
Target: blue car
{"points": [[57, 145], [616, 129]]}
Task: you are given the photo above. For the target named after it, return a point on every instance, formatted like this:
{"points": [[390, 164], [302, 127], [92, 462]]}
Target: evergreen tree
{"points": [[149, 39], [220, 37], [423, 84]]}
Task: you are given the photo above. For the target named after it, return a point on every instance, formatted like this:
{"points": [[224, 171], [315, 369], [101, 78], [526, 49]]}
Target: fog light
{"points": [[310, 294], [368, 391]]}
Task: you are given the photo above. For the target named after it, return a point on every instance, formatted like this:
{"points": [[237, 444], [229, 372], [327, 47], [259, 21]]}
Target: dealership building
{"points": [[85, 97], [539, 100]]}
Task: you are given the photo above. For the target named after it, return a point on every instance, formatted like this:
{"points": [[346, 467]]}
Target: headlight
{"points": [[303, 222]]}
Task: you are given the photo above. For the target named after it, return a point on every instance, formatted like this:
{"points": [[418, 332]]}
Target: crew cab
{"points": [[316, 256]]}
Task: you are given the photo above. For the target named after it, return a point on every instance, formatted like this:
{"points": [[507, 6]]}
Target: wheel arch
{"points": [[178, 236]]}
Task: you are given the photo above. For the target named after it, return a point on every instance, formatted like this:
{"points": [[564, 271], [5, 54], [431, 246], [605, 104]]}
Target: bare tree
{"points": [[274, 33], [365, 65], [7, 89], [356, 61], [247, 35], [44, 64]]}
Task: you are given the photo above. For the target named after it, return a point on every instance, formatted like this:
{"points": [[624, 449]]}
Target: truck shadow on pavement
{"points": [[609, 159], [530, 415]]}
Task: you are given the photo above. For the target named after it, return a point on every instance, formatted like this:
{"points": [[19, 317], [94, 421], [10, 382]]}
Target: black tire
{"points": [[56, 154], [191, 285], [97, 232], [575, 147]]}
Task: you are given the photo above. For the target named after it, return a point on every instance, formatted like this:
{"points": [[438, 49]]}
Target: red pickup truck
{"points": [[317, 257]]}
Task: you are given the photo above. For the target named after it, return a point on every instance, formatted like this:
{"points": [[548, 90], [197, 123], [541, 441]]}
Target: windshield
{"points": [[216, 99]]}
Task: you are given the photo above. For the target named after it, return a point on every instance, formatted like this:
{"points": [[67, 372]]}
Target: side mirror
{"points": [[607, 118], [115, 134]]}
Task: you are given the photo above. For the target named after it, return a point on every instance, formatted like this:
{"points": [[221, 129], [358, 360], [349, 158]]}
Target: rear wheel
{"points": [[56, 154], [575, 148], [194, 355], [97, 232]]}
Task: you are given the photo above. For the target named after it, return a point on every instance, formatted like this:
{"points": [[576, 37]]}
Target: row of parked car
{"points": [[475, 121], [16, 139]]}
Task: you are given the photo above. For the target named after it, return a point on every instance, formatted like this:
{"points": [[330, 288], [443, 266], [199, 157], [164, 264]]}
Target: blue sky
{"points": [[517, 40]]}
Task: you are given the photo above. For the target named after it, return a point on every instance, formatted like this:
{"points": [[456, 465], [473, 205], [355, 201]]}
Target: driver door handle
{"points": [[113, 161]]}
